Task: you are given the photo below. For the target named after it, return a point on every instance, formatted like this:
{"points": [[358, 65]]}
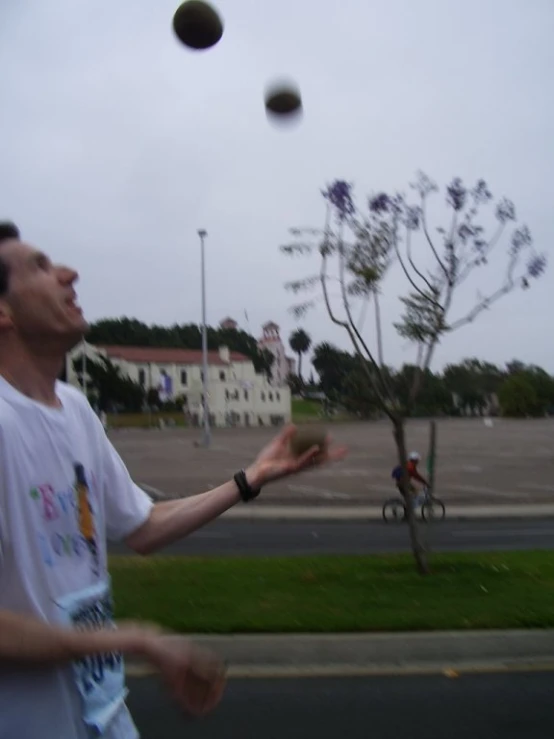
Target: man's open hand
{"points": [[277, 460]]}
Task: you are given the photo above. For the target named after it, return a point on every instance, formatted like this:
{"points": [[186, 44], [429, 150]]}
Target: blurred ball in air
{"points": [[197, 25]]}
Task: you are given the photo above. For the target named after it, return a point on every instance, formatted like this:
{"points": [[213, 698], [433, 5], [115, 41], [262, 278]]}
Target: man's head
{"points": [[37, 298]]}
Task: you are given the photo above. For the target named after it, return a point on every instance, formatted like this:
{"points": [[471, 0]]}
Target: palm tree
{"points": [[300, 343]]}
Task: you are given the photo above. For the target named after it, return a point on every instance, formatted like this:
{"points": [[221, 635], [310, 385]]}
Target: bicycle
{"points": [[432, 508]]}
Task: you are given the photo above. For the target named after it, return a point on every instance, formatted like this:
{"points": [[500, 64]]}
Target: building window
{"points": [[271, 396], [202, 375], [246, 394], [142, 377], [277, 397], [226, 395], [263, 397], [184, 377], [222, 375], [236, 394]]}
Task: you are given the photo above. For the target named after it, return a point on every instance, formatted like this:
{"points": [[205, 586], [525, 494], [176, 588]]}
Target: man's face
{"points": [[40, 305]]}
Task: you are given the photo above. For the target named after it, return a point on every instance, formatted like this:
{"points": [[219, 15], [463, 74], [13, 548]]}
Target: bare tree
{"points": [[362, 246]]}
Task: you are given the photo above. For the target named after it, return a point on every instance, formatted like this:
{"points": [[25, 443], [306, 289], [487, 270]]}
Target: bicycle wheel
{"points": [[394, 510], [433, 510]]}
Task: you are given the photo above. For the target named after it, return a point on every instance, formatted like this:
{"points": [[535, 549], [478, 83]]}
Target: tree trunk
{"points": [[300, 367], [418, 549], [432, 456], [378, 328]]}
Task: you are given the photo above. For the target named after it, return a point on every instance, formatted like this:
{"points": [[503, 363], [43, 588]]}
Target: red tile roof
{"points": [[159, 355]]}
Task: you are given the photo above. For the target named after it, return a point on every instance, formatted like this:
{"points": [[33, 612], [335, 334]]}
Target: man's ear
{"points": [[6, 320]]}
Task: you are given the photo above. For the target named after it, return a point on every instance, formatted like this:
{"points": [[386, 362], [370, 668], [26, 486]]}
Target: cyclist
{"points": [[413, 473]]}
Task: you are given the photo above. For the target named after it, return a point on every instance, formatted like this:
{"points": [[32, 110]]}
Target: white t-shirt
{"points": [[52, 551]]}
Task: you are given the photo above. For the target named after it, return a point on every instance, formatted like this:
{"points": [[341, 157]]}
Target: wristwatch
{"points": [[247, 492]]}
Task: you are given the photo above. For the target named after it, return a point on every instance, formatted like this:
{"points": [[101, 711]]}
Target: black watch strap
{"points": [[247, 492]]}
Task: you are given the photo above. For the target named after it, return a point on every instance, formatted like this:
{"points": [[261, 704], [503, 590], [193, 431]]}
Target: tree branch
{"points": [[423, 367], [508, 286], [296, 249], [409, 254], [429, 241], [307, 283], [424, 295], [323, 275], [378, 327], [485, 254], [354, 331]]}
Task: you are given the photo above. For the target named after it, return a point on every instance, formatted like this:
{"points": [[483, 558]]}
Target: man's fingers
{"points": [[315, 456], [287, 433], [337, 453], [307, 458]]}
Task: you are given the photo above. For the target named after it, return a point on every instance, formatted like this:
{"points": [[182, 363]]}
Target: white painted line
{"points": [[150, 490], [321, 492], [495, 533], [484, 491], [342, 472], [536, 486], [346, 670]]}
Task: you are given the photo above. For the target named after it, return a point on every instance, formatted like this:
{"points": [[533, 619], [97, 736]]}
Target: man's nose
{"points": [[67, 275]]}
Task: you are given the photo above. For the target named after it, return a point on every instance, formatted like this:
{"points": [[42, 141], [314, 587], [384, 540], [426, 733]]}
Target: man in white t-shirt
{"points": [[64, 492]]}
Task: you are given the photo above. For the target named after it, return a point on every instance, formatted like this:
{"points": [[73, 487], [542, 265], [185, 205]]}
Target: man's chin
{"points": [[75, 337]]}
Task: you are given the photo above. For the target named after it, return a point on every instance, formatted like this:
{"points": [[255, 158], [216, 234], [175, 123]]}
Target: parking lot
{"points": [[510, 462]]}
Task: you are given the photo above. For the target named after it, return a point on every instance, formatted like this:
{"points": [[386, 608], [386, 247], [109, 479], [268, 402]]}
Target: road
{"points": [[275, 538], [494, 706]]}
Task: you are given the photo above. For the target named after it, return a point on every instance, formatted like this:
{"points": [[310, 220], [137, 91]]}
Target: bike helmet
{"points": [[414, 457]]}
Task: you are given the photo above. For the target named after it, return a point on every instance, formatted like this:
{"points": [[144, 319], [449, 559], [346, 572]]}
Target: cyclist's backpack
{"points": [[397, 472]]}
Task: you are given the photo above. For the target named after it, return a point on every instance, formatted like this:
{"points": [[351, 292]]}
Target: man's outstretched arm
{"points": [[173, 520], [29, 640]]}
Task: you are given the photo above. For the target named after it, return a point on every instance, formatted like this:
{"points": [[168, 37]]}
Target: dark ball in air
{"points": [[197, 25], [283, 101]]}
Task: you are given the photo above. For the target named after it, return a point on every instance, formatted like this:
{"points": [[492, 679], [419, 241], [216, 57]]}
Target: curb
{"points": [[283, 513], [374, 513], [341, 655]]}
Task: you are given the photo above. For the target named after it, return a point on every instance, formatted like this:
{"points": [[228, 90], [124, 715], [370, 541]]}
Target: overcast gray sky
{"points": [[117, 144]]}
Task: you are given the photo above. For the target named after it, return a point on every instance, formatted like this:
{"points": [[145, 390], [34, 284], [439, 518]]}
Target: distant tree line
{"points": [[131, 332], [472, 387]]}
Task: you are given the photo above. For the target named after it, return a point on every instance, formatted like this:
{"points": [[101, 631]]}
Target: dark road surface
{"points": [[495, 706], [274, 538]]}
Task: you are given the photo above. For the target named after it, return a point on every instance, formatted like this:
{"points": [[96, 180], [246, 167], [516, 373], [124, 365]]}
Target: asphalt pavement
{"points": [[266, 538], [506, 705]]}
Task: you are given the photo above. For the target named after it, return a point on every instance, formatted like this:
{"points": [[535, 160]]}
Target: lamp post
{"points": [[202, 233]]}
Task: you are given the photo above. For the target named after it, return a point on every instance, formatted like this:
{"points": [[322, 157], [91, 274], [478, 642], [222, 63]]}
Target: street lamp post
{"points": [[202, 233]]}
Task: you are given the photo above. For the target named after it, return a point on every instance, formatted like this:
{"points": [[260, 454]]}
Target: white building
{"points": [[236, 394], [283, 366]]}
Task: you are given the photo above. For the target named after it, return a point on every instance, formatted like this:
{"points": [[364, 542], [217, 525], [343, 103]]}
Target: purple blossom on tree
{"points": [[380, 203], [424, 185], [339, 194], [505, 211], [481, 192], [465, 232], [413, 214], [536, 265], [520, 239], [456, 194]]}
